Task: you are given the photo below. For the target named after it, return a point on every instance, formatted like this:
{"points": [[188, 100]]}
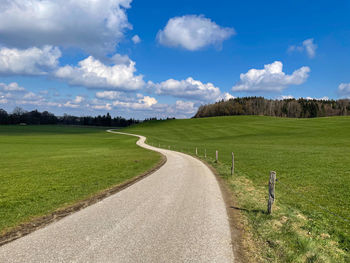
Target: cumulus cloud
{"points": [[109, 95], [193, 32], [322, 98], [95, 26], [31, 61], [288, 97], [144, 103], [136, 39], [92, 73], [187, 89], [28, 98], [11, 87], [225, 96], [39, 99], [271, 78], [344, 89], [141, 105], [308, 46], [70, 104], [74, 104], [79, 99], [187, 107], [104, 107], [285, 97]]}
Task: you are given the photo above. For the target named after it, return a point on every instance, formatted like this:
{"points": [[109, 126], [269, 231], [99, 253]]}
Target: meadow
{"points": [[43, 168], [311, 217]]}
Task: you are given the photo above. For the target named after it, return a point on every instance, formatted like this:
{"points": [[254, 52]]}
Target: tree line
{"points": [[293, 108], [20, 116]]}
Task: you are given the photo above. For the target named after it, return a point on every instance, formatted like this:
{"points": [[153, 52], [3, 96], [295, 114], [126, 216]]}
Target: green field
{"points": [[311, 218], [43, 168]]}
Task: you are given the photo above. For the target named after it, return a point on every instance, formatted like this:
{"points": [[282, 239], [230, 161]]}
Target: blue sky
{"points": [[165, 58]]}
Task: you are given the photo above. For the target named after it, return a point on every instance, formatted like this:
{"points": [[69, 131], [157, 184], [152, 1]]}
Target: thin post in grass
{"points": [[169, 147], [233, 164], [272, 183], [216, 156], [196, 151], [205, 153]]}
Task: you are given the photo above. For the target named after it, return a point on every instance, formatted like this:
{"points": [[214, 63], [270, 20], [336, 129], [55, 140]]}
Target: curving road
{"points": [[177, 214]]}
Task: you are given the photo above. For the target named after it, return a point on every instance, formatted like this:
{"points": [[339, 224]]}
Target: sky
{"points": [[144, 59]]}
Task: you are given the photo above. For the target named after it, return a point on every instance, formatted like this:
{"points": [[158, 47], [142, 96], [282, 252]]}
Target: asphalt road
{"points": [[177, 214]]}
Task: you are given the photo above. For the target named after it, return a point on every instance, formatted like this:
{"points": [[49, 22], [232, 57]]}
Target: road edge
{"points": [[42, 221], [234, 216]]}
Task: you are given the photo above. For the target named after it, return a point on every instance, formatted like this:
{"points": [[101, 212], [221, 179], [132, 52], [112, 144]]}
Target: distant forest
{"points": [[300, 108], [19, 116]]}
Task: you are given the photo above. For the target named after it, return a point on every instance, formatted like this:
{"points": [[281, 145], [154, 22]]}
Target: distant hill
{"points": [[300, 108]]}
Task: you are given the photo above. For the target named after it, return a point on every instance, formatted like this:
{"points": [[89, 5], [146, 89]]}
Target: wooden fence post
{"points": [[205, 153], [196, 151], [217, 156], [233, 164], [272, 183]]}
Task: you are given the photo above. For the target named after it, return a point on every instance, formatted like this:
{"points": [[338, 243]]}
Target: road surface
{"points": [[177, 214]]}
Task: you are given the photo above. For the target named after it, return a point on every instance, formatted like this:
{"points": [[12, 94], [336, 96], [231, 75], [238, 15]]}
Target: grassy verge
{"points": [[44, 168], [311, 158]]}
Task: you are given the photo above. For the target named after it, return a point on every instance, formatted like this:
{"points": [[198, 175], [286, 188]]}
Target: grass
{"points": [[43, 168], [310, 222]]}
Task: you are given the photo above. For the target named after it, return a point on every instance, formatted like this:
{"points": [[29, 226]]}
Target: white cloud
{"points": [[136, 39], [308, 46], [74, 104], [31, 61], [31, 95], [344, 89], [11, 87], [187, 89], [144, 103], [271, 78], [109, 95], [185, 107], [16, 98], [285, 97], [79, 99], [288, 97], [121, 60], [225, 96], [92, 73], [323, 98], [106, 106], [95, 26], [70, 104], [138, 106], [193, 32]]}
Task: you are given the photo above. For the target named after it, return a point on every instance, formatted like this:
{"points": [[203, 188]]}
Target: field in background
{"points": [[43, 168], [311, 218]]}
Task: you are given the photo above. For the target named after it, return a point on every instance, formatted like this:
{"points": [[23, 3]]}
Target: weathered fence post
{"points": [[196, 151], [205, 153], [233, 164], [272, 183], [217, 156]]}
